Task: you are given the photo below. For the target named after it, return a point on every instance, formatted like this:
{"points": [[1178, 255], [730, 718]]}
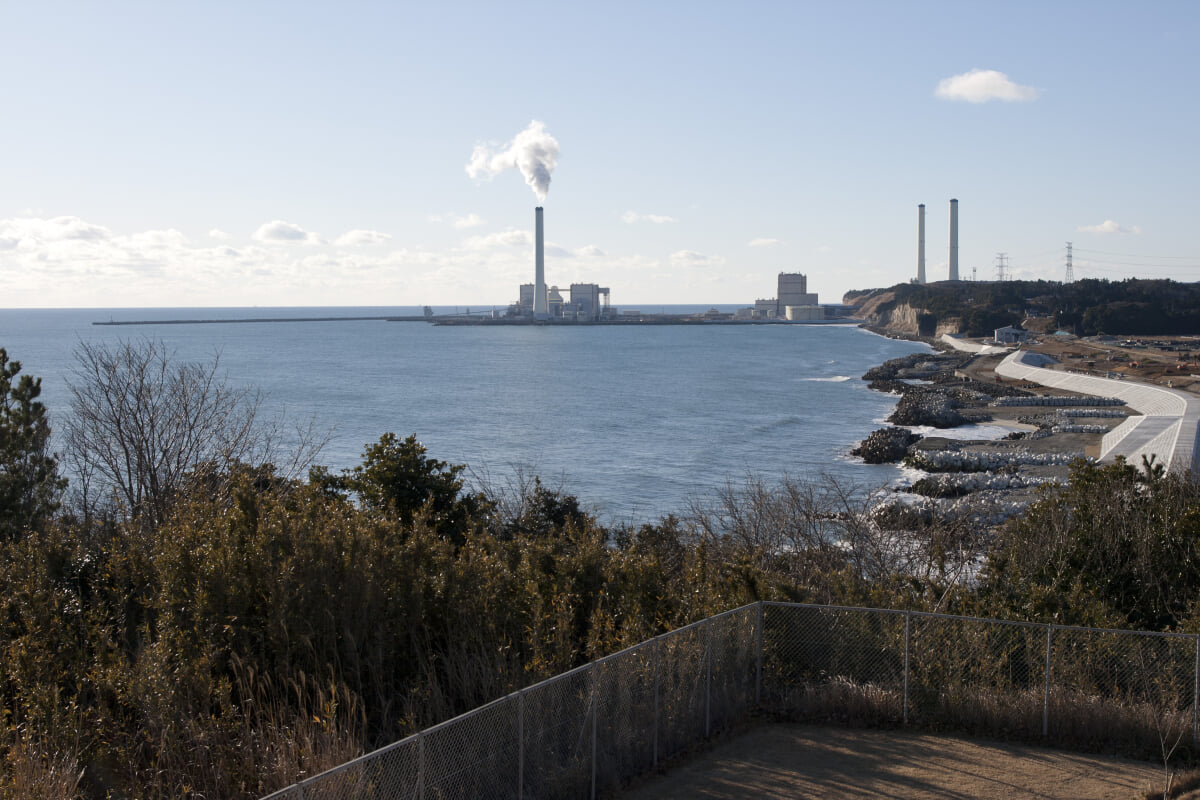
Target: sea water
{"points": [[636, 421]]}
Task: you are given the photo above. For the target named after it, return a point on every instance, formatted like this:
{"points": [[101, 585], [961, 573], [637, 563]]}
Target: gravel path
{"points": [[807, 761]]}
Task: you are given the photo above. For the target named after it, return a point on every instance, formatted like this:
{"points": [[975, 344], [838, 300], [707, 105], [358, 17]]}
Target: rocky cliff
{"points": [[880, 310]]}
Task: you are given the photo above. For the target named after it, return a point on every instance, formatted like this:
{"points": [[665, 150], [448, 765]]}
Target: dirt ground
{"points": [[808, 761], [1139, 358]]}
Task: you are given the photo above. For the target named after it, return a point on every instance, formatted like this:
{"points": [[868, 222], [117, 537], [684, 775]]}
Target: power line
{"points": [[1135, 255], [1087, 266], [1139, 263]]}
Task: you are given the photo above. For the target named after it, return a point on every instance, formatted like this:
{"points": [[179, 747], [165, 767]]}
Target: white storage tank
{"points": [[805, 313]]}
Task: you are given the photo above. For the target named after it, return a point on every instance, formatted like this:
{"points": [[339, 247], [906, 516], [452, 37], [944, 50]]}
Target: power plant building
{"points": [[525, 303], [792, 291], [585, 300], [588, 302], [792, 301]]}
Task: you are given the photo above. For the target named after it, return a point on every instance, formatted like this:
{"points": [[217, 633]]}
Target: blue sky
{"points": [[223, 154]]}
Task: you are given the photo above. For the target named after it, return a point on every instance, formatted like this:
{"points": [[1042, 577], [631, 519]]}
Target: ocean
{"points": [[636, 421]]}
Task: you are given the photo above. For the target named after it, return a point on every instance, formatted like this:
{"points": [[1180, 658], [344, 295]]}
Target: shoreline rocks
{"points": [[923, 405], [886, 445], [979, 482]]}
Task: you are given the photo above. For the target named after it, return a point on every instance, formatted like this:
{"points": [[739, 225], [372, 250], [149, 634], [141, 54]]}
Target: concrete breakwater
{"points": [[981, 481], [985, 461], [1056, 400]]}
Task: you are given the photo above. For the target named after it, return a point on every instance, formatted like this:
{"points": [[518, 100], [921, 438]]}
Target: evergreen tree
{"points": [[30, 487]]}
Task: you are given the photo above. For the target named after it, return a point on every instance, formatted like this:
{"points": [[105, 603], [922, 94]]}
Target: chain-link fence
{"points": [[1128, 692], [590, 730]]}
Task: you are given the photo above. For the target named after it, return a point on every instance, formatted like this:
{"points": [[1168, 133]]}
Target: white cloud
{"points": [[217, 233], [824, 248], [1109, 226], [762, 242], [362, 237], [469, 221], [509, 238], [156, 240], [89, 266], [630, 217], [591, 251], [690, 258], [278, 231], [982, 85], [59, 229]]}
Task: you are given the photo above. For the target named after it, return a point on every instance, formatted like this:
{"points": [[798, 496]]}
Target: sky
{"points": [[320, 154]]}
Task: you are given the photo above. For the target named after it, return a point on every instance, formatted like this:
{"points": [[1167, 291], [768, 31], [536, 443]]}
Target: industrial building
{"points": [[588, 302], [792, 301]]}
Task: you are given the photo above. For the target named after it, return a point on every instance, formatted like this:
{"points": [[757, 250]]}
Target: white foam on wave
{"points": [[984, 432], [832, 379], [908, 476]]}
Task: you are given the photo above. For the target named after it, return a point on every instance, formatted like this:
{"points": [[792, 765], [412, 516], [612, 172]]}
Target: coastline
{"points": [[983, 481]]}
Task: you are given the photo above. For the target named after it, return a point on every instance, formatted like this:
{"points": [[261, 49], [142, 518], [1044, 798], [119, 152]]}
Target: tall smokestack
{"points": [[921, 243], [540, 308], [953, 240]]}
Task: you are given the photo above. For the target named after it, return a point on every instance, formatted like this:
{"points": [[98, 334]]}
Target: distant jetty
{"points": [[246, 320], [454, 320]]}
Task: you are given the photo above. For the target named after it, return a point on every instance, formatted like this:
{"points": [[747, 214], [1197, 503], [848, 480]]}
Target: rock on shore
{"points": [[926, 405], [886, 445]]}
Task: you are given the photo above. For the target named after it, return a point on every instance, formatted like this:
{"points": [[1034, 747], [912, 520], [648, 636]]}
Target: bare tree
{"points": [[142, 422], [811, 527]]}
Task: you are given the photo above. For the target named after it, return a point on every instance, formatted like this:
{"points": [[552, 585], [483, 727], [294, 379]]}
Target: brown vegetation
{"points": [[248, 628]]}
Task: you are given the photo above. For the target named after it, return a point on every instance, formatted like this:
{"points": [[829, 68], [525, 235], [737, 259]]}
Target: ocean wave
{"points": [[908, 476], [832, 379], [781, 422]]}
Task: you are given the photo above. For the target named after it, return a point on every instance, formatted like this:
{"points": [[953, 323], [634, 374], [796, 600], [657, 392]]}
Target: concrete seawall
{"points": [[1167, 429]]}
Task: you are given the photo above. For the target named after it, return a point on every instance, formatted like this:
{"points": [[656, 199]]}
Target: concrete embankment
{"points": [[972, 347], [1169, 421]]}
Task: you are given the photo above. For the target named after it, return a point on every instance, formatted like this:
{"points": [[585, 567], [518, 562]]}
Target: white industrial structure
{"points": [[791, 295], [921, 243], [585, 301], [953, 240], [588, 301], [541, 309]]}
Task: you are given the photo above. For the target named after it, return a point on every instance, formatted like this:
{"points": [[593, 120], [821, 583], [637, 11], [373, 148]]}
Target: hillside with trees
{"points": [[1088, 307], [203, 613]]}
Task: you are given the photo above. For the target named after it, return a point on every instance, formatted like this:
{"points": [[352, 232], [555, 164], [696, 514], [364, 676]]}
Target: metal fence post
{"points": [[707, 676], [1046, 699], [907, 622], [595, 718], [658, 646], [421, 766], [520, 744], [758, 659], [1196, 698], [300, 790]]}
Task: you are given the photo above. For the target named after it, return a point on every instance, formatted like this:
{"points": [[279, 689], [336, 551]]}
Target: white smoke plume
{"points": [[533, 151]]}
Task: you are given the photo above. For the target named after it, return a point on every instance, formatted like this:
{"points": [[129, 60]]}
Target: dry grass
{"points": [[35, 773]]}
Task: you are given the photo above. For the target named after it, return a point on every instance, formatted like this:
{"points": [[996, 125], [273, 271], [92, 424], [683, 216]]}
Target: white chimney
{"points": [[921, 243], [541, 308], [953, 240]]}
